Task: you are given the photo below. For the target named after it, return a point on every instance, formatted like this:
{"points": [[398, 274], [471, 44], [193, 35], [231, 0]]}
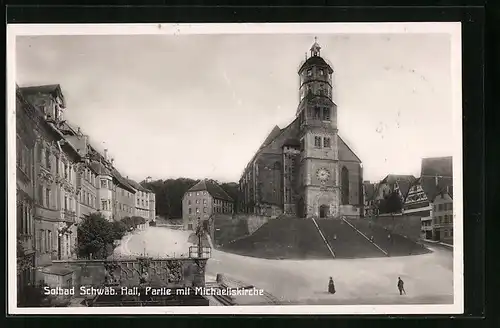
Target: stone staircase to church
{"points": [[346, 241], [288, 237]]}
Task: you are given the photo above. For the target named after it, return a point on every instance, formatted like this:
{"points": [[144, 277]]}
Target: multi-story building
{"points": [[369, 192], [306, 169], [123, 196], [104, 189], [60, 179], [202, 200], [27, 118], [55, 170], [87, 197], [142, 199], [431, 198], [152, 206]]}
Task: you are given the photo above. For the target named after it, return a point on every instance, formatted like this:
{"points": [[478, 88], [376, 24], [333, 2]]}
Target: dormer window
{"points": [[309, 72]]}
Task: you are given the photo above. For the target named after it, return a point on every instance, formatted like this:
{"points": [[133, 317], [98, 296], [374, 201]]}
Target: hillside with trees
{"points": [[169, 194]]}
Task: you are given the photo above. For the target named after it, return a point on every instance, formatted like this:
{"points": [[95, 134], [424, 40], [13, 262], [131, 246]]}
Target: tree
{"points": [[95, 236], [169, 194]]}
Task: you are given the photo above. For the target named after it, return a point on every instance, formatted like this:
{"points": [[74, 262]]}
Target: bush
{"points": [[96, 236], [152, 223]]}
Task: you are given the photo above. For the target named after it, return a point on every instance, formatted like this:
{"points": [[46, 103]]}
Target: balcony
{"points": [[47, 214], [69, 216]]}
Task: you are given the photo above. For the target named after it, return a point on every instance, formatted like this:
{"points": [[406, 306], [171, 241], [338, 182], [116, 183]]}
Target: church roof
{"points": [[276, 131], [294, 142], [212, 188], [342, 141]]}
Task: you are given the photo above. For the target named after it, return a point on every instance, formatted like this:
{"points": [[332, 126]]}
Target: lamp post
{"points": [[199, 233], [59, 243]]}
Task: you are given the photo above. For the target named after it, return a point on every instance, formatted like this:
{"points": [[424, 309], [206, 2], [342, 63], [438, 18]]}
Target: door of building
{"points": [[323, 211], [301, 208]]}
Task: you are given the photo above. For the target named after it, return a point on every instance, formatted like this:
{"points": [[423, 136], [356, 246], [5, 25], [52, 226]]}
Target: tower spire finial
{"points": [[315, 49]]}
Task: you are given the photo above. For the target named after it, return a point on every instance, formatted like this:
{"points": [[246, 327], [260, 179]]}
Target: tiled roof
{"points": [[437, 176], [276, 131], [99, 168], [347, 146], [121, 180], [49, 88], [44, 89], [404, 182], [212, 188], [441, 166], [136, 185], [315, 60], [431, 189]]}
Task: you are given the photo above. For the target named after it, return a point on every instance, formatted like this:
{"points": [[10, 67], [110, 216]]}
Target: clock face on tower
{"points": [[323, 175]]}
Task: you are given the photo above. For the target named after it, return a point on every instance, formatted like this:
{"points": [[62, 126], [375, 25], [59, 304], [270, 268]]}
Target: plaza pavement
{"points": [[428, 278]]}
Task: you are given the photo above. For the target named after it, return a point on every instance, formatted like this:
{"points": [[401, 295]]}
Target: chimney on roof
{"points": [[112, 161], [436, 179], [106, 154], [148, 179]]}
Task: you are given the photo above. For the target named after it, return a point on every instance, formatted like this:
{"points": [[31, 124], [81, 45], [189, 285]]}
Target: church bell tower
{"points": [[317, 112]]}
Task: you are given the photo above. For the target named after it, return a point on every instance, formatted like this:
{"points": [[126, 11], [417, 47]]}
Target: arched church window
{"points": [[309, 72], [345, 185], [321, 72]]}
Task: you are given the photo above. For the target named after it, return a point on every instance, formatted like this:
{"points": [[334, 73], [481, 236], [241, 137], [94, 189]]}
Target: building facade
{"points": [[123, 196], [431, 198], [56, 161], [60, 179], [306, 169], [27, 119], [203, 200], [142, 200]]}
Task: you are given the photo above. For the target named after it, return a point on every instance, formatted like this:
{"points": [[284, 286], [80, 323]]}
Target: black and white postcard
{"points": [[235, 168]]}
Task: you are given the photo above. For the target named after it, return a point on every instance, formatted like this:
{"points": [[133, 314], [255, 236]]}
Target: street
{"points": [[428, 278]]}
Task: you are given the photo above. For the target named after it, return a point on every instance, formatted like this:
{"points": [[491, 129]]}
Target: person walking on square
{"points": [[331, 286], [401, 286]]}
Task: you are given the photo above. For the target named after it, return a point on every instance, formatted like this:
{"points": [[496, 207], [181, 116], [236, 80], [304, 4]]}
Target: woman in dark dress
{"points": [[331, 286]]}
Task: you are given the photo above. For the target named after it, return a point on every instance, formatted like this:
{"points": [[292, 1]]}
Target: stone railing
{"points": [[169, 273], [69, 216]]}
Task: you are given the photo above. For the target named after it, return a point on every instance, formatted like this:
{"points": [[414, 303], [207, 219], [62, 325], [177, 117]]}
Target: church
{"points": [[305, 169]]}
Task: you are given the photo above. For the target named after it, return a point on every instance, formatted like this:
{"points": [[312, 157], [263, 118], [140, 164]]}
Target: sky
{"points": [[199, 106]]}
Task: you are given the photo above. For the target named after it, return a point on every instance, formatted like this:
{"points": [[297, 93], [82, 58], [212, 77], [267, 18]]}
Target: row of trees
{"points": [[97, 236], [169, 194]]}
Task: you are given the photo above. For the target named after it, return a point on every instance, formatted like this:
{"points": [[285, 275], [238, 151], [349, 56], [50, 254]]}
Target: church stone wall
{"points": [[355, 182], [269, 179], [317, 196]]}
